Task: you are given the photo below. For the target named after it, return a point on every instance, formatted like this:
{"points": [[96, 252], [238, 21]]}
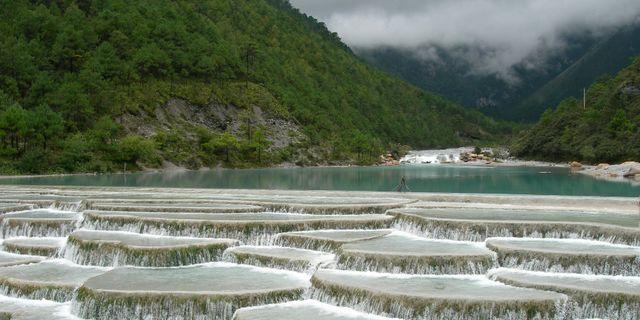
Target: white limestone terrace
{"points": [[310, 202], [39, 223], [401, 252], [41, 246], [139, 241], [570, 282], [51, 279], [213, 291], [25, 309], [305, 309], [479, 224], [294, 259], [11, 259], [251, 228], [593, 296], [253, 203], [41, 214], [567, 255], [327, 240], [180, 206], [148, 224], [10, 207], [570, 206], [432, 296], [603, 204], [119, 248]]}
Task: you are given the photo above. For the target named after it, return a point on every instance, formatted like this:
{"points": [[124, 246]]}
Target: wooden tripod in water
{"points": [[403, 185]]}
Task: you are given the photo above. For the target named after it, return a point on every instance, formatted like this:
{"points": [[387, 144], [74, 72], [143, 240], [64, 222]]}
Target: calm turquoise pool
{"points": [[420, 178]]}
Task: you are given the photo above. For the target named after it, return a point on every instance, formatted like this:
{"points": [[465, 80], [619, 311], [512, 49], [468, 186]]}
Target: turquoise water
{"points": [[434, 178]]}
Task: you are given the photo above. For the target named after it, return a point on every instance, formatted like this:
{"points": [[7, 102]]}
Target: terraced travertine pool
{"points": [[156, 253]]}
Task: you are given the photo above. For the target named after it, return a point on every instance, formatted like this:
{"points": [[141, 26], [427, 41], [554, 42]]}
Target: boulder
{"points": [[602, 166], [575, 164], [634, 171]]}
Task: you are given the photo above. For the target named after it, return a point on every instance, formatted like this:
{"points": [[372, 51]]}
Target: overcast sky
{"points": [[506, 32]]}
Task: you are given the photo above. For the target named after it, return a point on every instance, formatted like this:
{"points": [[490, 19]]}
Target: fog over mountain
{"points": [[491, 35]]}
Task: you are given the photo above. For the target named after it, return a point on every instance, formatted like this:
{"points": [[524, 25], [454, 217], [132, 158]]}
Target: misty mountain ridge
{"points": [[467, 74]]}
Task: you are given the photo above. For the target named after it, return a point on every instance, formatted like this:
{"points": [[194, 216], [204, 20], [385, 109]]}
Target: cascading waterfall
{"points": [[590, 296], [140, 307], [327, 240], [256, 236], [299, 260], [70, 206], [252, 233], [586, 309], [36, 292], [113, 255], [567, 255], [396, 308], [190, 296], [270, 262], [469, 231], [46, 247], [209, 291], [457, 265], [51, 280], [39, 223], [630, 267], [433, 296], [42, 228], [305, 243]]}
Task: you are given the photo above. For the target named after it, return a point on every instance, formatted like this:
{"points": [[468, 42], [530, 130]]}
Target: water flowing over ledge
{"points": [[306, 309], [160, 246], [567, 255], [43, 246], [478, 225], [117, 248], [54, 280], [326, 240], [39, 223], [24, 309], [403, 253], [433, 297], [250, 228], [614, 297], [300, 260], [209, 291]]}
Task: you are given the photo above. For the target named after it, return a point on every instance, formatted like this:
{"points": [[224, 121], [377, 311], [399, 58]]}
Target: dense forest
{"points": [[71, 70], [605, 127]]}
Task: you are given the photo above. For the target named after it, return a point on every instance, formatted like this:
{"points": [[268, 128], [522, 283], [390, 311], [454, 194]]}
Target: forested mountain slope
{"points": [[92, 85], [607, 130]]}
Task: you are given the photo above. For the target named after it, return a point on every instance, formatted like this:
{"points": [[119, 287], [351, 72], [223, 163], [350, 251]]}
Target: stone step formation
{"points": [[146, 253]]}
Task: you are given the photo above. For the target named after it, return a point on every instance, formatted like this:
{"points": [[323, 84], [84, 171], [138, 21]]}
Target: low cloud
{"points": [[491, 35]]}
